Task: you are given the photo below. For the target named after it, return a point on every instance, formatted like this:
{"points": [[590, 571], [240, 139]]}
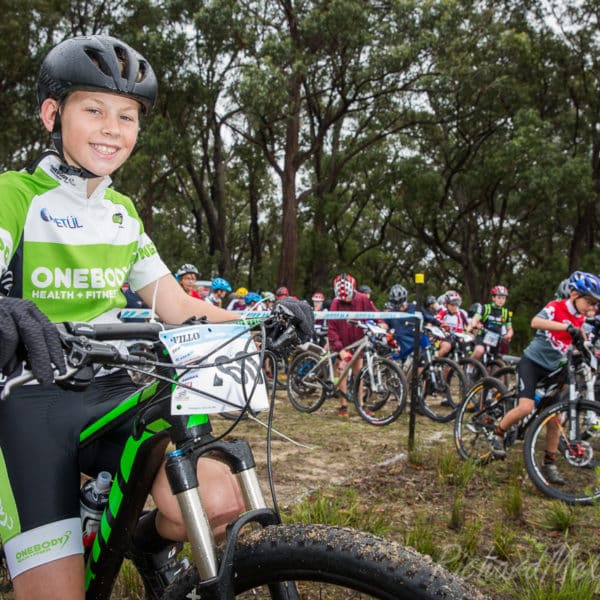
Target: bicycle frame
{"points": [[357, 348], [587, 374], [154, 427]]}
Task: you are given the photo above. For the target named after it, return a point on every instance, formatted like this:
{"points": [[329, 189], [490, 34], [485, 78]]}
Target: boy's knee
{"points": [[220, 492]]}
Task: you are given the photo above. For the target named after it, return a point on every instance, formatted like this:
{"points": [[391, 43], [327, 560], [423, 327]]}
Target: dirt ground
{"points": [[322, 451]]}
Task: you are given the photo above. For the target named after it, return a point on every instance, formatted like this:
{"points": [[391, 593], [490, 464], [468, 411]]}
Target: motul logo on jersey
{"points": [[69, 222]]}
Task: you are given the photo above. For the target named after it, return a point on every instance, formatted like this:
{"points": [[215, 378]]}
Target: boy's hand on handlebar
{"points": [[576, 335], [27, 334]]}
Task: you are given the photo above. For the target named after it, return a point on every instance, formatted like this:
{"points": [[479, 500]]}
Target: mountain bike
{"points": [[171, 415], [491, 359], [576, 414], [461, 353], [379, 391], [441, 386]]}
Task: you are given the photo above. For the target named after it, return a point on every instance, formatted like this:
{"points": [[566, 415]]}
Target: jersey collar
{"points": [[571, 308], [53, 166]]}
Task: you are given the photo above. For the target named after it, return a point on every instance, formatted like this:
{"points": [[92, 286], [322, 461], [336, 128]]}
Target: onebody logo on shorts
{"points": [[69, 222], [42, 547]]}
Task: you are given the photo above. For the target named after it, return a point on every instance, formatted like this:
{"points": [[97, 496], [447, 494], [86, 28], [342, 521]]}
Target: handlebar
{"points": [[87, 344]]}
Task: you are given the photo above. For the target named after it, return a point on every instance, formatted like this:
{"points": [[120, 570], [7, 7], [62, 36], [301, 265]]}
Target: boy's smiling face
{"points": [[99, 129]]}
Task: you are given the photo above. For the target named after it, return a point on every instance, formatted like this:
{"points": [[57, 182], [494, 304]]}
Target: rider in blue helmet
{"points": [[219, 288], [253, 299], [585, 284], [558, 326]]}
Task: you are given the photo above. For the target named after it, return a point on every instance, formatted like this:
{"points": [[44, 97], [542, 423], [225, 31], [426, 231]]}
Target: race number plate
{"points": [[217, 384]]}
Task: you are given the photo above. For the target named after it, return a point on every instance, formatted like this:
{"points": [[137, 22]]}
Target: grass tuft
{"points": [[339, 506]]}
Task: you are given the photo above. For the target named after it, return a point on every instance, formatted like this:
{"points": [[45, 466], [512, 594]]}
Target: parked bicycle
{"points": [[576, 414], [461, 351], [442, 384], [260, 553], [283, 340], [379, 391]]}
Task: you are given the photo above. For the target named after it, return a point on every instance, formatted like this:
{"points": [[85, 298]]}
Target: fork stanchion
{"points": [[414, 382]]}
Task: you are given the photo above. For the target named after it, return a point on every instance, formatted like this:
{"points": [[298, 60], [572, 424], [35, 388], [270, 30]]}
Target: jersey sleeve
{"points": [[13, 213], [148, 266]]}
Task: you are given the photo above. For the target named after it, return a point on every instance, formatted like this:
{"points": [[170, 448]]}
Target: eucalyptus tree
{"points": [[491, 167], [578, 24], [326, 81]]}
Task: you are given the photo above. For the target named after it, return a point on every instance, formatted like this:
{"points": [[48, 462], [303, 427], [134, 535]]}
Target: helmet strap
{"points": [[65, 167]]}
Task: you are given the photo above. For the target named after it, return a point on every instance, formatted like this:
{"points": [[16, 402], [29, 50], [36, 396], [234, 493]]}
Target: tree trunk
{"points": [[289, 203]]}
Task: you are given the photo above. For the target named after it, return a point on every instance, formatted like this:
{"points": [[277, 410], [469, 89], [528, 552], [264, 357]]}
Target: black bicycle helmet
{"points": [[430, 300], [475, 309], [364, 289], [562, 291], [398, 294], [97, 62]]}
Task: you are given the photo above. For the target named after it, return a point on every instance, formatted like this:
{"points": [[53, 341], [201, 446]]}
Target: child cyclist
{"points": [[495, 317], [67, 244], [558, 325]]}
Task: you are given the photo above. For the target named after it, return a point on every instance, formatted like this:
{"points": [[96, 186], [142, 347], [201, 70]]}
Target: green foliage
{"points": [[421, 536], [449, 138], [560, 517]]}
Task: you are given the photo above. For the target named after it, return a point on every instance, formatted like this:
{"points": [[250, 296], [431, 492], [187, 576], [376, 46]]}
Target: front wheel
{"points": [[444, 386], [380, 394], [307, 381], [329, 562], [482, 409], [577, 461]]}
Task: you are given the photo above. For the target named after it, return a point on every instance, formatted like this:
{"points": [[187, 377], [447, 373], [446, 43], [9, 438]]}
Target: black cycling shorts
{"points": [[39, 439], [530, 374]]}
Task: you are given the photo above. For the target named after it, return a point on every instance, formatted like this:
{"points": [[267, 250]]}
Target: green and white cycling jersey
{"points": [[68, 252]]}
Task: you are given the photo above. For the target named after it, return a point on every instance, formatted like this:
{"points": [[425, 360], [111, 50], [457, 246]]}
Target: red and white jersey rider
{"points": [[452, 317]]}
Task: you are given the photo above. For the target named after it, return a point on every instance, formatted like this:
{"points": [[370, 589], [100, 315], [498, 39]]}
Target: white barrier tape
{"points": [[141, 313], [326, 315]]}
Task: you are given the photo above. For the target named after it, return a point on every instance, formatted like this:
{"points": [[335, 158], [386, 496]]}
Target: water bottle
{"points": [[93, 499]]}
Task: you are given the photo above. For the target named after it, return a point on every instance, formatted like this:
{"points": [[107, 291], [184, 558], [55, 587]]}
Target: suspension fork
{"points": [[181, 473]]}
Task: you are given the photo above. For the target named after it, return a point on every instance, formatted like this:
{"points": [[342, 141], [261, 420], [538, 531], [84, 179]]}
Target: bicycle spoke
{"points": [[577, 460]]}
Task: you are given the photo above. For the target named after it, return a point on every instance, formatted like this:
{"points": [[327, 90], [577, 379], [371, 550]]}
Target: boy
{"points": [[341, 333], [495, 317], [68, 242], [558, 325], [452, 318]]}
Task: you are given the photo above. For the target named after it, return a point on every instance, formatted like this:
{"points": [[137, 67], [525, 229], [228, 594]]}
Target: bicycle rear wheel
{"points": [[306, 382], [274, 369], [333, 563], [482, 409], [577, 460], [380, 400], [444, 387], [507, 374], [473, 369]]}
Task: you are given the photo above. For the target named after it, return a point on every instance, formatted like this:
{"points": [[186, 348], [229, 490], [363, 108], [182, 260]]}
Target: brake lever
{"points": [[27, 376]]}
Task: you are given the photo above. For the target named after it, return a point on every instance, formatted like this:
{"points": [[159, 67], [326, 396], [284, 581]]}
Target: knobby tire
{"points": [[440, 399], [322, 554], [381, 406], [305, 388], [578, 462], [482, 409]]}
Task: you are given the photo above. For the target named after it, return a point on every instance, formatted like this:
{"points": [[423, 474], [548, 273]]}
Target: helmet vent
{"points": [[97, 59]]}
